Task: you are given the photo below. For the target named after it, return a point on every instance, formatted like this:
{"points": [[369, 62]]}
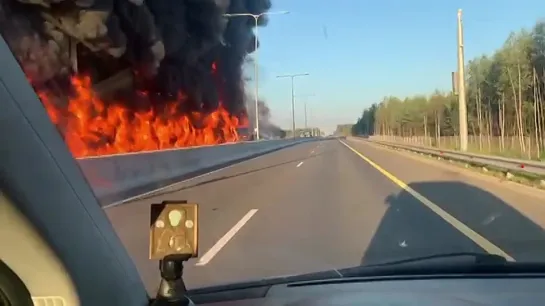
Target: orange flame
{"points": [[92, 127]]}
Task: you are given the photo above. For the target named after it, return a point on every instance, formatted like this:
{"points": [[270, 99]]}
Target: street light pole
{"points": [[292, 107], [305, 103], [306, 124], [256, 68], [292, 76]]}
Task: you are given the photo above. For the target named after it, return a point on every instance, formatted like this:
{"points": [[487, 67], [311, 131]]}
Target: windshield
{"points": [[433, 148]]}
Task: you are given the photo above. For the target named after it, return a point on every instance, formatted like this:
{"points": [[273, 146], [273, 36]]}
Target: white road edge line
{"points": [[465, 230], [214, 250], [299, 164]]}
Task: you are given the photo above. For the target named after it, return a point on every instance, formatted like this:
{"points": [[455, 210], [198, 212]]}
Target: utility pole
{"points": [[462, 108], [292, 76]]}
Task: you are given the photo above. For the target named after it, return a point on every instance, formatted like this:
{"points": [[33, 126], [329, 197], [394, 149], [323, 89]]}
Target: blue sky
{"points": [[358, 51]]}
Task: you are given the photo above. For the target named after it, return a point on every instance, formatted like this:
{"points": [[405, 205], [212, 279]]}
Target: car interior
{"points": [[59, 248]]}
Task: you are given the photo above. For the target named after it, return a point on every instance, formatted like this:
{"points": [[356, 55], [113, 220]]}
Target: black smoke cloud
{"points": [[267, 129], [171, 45]]}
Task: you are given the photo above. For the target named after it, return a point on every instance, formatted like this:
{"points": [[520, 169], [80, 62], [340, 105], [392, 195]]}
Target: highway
{"points": [[332, 204]]}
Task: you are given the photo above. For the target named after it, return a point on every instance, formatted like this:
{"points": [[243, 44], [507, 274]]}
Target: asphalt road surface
{"points": [[328, 204]]}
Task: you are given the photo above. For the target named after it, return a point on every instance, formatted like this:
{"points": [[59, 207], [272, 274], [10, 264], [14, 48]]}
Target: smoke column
{"points": [[266, 128], [171, 46]]}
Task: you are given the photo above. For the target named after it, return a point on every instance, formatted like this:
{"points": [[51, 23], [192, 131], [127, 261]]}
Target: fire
{"points": [[92, 127]]}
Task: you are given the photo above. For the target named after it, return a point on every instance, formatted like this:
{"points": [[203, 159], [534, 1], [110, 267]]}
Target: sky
{"points": [[358, 51]]}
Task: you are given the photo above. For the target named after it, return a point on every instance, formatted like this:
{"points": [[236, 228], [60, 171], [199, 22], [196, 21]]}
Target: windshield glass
{"points": [[134, 87]]}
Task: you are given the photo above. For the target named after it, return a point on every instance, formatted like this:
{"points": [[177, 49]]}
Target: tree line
{"points": [[504, 94]]}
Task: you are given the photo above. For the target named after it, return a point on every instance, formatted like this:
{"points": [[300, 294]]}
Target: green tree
{"points": [[504, 95]]}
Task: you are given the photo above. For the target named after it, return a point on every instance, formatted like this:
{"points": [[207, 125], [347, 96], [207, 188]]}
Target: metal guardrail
{"points": [[508, 164]]}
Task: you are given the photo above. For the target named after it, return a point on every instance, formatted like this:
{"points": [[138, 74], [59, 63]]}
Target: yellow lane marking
{"points": [[464, 229]]}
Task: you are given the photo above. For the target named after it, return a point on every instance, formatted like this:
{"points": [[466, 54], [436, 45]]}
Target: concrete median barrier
{"points": [[116, 178]]}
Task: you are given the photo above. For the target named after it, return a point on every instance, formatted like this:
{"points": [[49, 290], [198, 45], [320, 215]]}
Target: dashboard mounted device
{"points": [[174, 230], [174, 239]]}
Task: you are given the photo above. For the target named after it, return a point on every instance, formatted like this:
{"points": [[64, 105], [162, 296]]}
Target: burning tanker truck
{"points": [[119, 76]]}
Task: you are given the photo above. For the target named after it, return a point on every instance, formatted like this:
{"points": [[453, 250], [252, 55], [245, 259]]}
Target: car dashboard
{"points": [[448, 290]]}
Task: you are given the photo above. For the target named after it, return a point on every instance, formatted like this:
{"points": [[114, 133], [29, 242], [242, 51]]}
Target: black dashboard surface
{"points": [[529, 290]]}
